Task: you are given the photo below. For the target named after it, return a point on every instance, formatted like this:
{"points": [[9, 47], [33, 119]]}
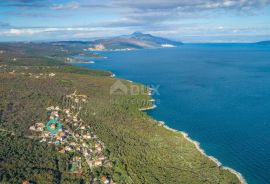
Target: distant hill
{"points": [[137, 40], [264, 42]]}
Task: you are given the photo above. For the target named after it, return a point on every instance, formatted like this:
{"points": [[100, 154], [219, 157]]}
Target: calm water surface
{"points": [[218, 93]]}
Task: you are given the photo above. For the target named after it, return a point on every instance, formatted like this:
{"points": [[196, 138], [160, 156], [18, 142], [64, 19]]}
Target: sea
{"points": [[217, 93]]}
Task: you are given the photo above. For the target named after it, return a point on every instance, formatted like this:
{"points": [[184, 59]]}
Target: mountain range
{"points": [[264, 43], [136, 40]]}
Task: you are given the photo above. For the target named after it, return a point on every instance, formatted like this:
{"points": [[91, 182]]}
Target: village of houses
{"points": [[74, 136], [5, 68]]}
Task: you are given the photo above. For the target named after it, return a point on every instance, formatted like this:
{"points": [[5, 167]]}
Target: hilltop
{"points": [[136, 40]]}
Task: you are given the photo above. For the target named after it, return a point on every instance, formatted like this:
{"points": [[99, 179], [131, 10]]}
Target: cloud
{"points": [[194, 29], [167, 18], [52, 4], [152, 13], [187, 5], [46, 30], [25, 3], [157, 11], [67, 6], [143, 5], [24, 31], [189, 32]]}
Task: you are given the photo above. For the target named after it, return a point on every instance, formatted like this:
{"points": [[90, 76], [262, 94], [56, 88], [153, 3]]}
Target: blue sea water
{"points": [[218, 93]]}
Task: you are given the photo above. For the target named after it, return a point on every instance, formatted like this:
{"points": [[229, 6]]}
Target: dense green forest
{"points": [[140, 148]]}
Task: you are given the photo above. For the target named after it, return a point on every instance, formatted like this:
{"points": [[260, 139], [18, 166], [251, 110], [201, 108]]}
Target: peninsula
{"points": [[104, 138]]}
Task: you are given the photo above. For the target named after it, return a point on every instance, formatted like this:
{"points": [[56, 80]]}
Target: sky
{"points": [[183, 20]]}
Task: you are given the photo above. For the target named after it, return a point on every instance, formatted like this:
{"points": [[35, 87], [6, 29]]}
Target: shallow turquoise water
{"points": [[218, 93]]}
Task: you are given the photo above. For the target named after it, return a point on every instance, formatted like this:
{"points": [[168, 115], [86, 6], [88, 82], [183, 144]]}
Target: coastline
{"points": [[148, 108], [215, 160], [185, 135], [149, 93], [195, 143], [83, 62]]}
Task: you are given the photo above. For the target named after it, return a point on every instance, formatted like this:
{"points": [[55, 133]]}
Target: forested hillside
{"points": [[140, 150]]}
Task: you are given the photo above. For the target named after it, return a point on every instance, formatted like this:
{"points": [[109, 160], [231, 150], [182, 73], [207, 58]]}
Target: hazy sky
{"points": [[186, 20]]}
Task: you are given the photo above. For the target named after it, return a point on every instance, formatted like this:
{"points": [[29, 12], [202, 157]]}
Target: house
{"points": [[43, 140], [46, 134], [86, 153], [107, 163], [102, 158], [97, 145], [83, 96], [50, 108], [68, 148], [73, 144], [105, 180], [62, 151], [77, 158], [67, 111], [98, 149], [56, 115], [61, 133], [39, 129], [87, 136], [53, 126], [39, 126], [13, 72], [97, 47], [33, 128], [97, 163], [51, 74]]}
